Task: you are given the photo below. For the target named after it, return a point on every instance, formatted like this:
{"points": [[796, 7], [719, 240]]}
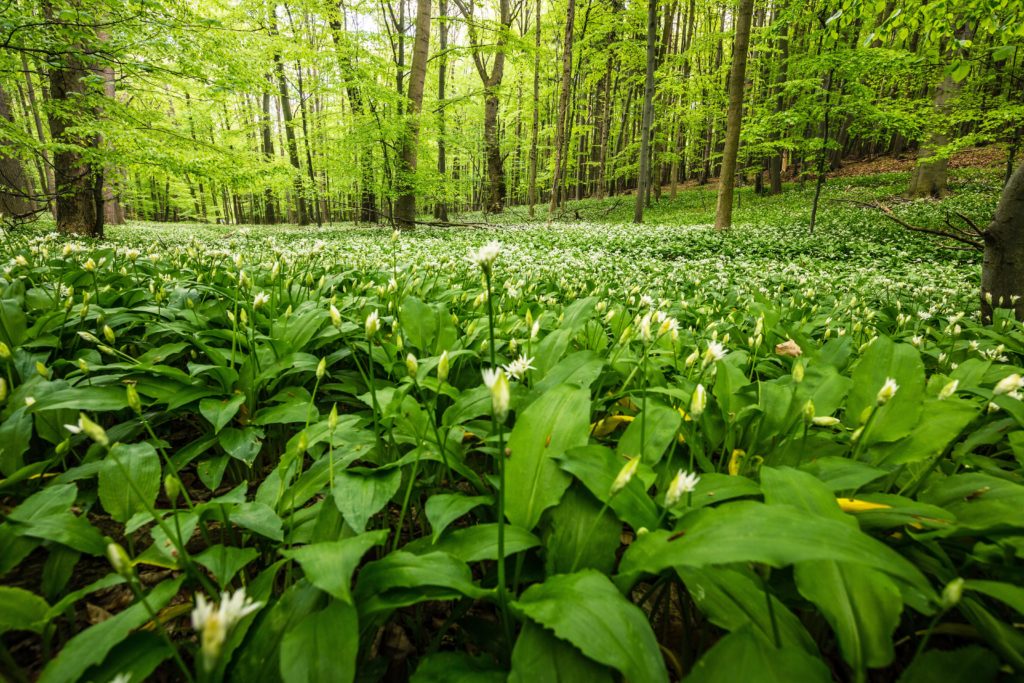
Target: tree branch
{"points": [[974, 244]]}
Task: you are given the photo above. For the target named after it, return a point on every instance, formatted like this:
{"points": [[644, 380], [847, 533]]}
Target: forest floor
{"points": [[227, 331]]}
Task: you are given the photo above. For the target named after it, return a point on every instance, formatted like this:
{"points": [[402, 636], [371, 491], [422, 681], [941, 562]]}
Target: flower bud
{"points": [[5, 352], [698, 401], [952, 593], [321, 368], [93, 430], [332, 418], [625, 474], [949, 389], [108, 334], [443, 368], [798, 372], [119, 559], [411, 364], [809, 411], [497, 382], [3, 390], [134, 402], [372, 324], [172, 487]]}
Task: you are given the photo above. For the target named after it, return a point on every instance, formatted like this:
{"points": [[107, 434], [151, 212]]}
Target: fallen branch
{"points": [[977, 245]]}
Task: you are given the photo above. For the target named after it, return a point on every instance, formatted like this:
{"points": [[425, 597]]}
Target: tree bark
{"points": [[405, 208], [77, 185], [16, 199], [734, 117], [1002, 273], [930, 178], [531, 189], [441, 211], [648, 114], [563, 103]]}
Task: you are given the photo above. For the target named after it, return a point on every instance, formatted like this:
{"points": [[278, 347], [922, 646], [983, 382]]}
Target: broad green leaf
{"points": [[457, 667], [360, 496], [444, 508], [556, 421], [979, 501], [220, 411], [580, 533], [258, 659], [90, 646], [1006, 593], [745, 655], [540, 657], [650, 433], [138, 655], [322, 647], [21, 610], [943, 422], [329, 565], [777, 535], [242, 444], [225, 561], [579, 369], [971, 664], [129, 480], [732, 598], [882, 360], [587, 610], [15, 438], [596, 467], [258, 518], [480, 542], [420, 573]]}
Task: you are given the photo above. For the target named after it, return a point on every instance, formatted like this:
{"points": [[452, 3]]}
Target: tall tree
{"points": [[563, 103], [16, 197], [78, 183], [734, 117], [494, 195], [648, 114], [531, 188], [405, 208], [441, 210], [1002, 274]]}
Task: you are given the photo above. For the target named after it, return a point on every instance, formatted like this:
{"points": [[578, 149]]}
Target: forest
{"points": [[511, 341]]}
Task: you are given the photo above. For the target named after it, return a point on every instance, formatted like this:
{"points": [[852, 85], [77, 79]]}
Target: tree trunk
{"points": [[78, 186], [531, 189], [405, 208], [647, 116], [269, 211], [47, 178], [1002, 274], [441, 211], [563, 103], [930, 178], [734, 117], [289, 131], [16, 200]]}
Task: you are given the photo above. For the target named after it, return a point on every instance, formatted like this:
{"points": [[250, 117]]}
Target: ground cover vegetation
{"points": [[296, 454], [332, 347]]}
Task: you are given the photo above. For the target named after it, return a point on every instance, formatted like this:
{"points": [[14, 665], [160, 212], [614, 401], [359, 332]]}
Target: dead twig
{"points": [[958, 236]]}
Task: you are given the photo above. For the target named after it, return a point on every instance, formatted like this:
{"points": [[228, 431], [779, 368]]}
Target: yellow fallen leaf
{"points": [[736, 461], [854, 505], [609, 424]]}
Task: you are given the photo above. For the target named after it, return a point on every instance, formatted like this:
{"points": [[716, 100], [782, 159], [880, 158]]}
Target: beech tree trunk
{"points": [[1002, 273], [734, 117], [930, 178], [405, 208], [15, 197], [531, 187], [563, 103], [441, 211], [647, 117], [289, 131], [78, 186]]}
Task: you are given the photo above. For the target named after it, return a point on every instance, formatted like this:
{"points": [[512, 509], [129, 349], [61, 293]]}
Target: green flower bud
{"points": [[119, 559], [172, 487], [93, 430], [134, 402]]}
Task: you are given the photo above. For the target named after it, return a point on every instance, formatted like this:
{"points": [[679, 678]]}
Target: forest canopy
{"points": [[316, 111]]}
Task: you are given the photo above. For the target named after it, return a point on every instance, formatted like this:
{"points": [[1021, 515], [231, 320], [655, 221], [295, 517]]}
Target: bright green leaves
{"points": [[553, 423], [540, 657], [360, 496], [322, 646], [129, 480], [883, 360], [329, 565], [21, 610], [587, 610], [220, 411], [776, 535], [747, 655]]}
